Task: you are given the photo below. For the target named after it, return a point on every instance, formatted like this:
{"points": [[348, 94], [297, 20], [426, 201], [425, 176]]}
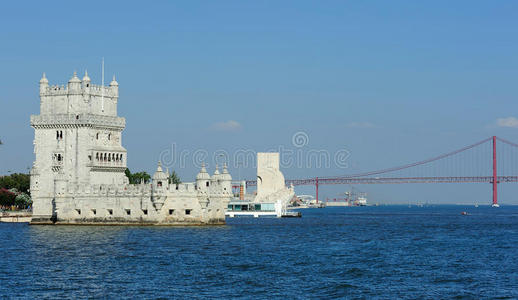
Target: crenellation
{"points": [[91, 90]]}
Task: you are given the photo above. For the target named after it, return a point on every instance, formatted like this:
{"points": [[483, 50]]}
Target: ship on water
{"points": [[352, 197]]}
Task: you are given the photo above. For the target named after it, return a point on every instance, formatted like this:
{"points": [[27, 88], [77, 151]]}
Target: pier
{"points": [[16, 217]]}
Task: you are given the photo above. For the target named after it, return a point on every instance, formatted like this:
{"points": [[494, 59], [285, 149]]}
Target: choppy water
{"points": [[364, 252]]}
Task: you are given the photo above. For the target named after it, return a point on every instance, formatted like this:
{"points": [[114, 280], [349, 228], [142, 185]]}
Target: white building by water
{"points": [[272, 196], [78, 174]]}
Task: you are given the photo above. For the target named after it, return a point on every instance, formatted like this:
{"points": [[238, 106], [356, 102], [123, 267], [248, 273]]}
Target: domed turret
{"points": [[202, 179], [44, 79], [74, 78], [203, 175], [114, 86], [44, 84], [86, 79], [114, 82], [216, 173], [226, 175], [159, 178], [226, 179], [216, 178], [34, 178], [74, 84]]}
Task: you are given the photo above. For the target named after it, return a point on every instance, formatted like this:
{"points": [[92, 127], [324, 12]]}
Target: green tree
{"points": [[136, 178], [141, 176], [128, 174], [174, 178], [21, 182], [7, 198], [22, 200]]}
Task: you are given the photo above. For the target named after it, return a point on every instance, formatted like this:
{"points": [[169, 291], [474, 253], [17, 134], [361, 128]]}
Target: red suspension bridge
{"points": [[492, 160]]}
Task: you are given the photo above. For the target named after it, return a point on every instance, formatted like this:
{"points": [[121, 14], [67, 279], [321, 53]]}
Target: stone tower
{"points": [[77, 141]]}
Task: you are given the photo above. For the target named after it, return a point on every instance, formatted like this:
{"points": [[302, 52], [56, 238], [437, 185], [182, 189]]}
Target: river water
{"points": [[358, 252]]}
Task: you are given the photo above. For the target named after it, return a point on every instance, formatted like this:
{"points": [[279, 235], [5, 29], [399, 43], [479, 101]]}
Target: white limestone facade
{"points": [[78, 173]]}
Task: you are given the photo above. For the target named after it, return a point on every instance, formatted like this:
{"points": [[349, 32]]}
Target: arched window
{"points": [[97, 156], [104, 156], [97, 136], [159, 183], [207, 183], [121, 157], [117, 157], [60, 135], [109, 136], [57, 135]]}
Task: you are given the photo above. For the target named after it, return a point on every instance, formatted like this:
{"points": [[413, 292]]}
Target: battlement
{"points": [[56, 90], [71, 120], [92, 90], [76, 86], [97, 90], [138, 190]]}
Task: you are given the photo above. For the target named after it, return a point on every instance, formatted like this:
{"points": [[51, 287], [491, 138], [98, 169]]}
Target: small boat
{"points": [[464, 213], [291, 214]]}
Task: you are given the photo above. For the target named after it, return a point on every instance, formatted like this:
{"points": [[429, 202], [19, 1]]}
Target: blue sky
{"points": [[389, 81]]}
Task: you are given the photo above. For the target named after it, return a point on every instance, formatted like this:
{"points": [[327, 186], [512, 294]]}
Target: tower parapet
{"points": [[91, 89]]}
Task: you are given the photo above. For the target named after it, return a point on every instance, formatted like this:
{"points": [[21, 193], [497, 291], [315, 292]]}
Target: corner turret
{"points": [[74, 84], [86, 81], [159, 178], [114, 86], [226, 179], [216, 173], [216, 179], [202, 179], [44, 84]]}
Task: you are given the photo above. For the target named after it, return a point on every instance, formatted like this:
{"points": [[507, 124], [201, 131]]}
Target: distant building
{"points": [[78, 175], [271, 185], [273, 196]]}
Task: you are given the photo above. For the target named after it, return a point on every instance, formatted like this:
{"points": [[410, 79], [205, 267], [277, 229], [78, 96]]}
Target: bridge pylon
{"points": [[495, 179]]}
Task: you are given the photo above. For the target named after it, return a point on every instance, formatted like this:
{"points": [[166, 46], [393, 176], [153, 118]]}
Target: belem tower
{"points": [[78, 174]]}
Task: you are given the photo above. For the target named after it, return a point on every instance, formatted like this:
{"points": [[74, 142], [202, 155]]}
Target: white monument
{"points": [[78, 175], [271, 186]]}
